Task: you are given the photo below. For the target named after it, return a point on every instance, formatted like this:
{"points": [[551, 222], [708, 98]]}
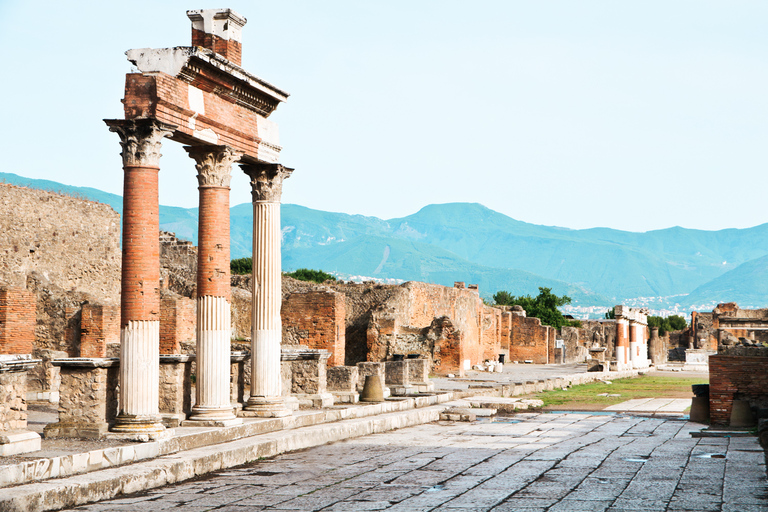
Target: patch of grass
{"points": [[586, 396]]}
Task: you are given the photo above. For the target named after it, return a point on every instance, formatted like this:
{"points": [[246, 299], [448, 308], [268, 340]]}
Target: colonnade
{"points": [[138, 410]]}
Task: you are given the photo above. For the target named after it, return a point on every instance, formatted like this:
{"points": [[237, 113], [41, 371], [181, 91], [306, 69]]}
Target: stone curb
{"points": [[108, 483], [80, 463]]}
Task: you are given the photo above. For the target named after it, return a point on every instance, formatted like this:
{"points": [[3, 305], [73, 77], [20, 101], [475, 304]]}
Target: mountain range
{"points": [[443, 243]]}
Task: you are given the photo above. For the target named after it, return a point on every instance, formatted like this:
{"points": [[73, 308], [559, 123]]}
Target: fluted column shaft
{"points": [[140, 286], [266, 331], [214, 324]]}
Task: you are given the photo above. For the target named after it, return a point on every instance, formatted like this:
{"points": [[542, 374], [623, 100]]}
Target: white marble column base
{"points": [[267, 407], [211, 417]]}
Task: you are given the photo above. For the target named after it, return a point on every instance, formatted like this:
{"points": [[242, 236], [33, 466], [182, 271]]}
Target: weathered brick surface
{"points": [[166, 98], [213, 243], [99, 326], [316, 320], [17, 321], [529, 340], [736, 377], [228, 48], [177, 323], [141, 245]]}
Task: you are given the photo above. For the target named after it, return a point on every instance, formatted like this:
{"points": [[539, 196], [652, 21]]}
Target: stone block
{"points": [[342, 379], [418, 370], [88, 403], [175, 393], [369, 368], [396, 373], [13, 442], [345, 397]]}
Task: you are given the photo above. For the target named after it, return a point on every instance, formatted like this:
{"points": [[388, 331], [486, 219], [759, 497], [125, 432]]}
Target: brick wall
{"points": [[316, 319], [490, 323], [99, 325], [529, 340], [736, 377], [17, 321], [177, 324]]}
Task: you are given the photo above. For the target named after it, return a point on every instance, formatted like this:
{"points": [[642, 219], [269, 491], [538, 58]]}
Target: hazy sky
{"points": [[634, 115]]}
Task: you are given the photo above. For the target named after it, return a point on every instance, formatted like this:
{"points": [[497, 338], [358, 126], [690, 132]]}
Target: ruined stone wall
{"points": [[316, 319], [13, 407], [74, 244], [178, 265], [402, 324], [740, 323], [531, 341], [576, 344], [63, 249], [490, 335], [703, 328], [736, 378]]}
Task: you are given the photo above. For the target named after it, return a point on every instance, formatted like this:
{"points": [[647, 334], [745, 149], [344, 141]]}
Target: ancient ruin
{"points": [[200, 96]]}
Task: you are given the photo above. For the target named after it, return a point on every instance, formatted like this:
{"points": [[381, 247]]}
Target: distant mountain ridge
{"points": [[472, 243]]}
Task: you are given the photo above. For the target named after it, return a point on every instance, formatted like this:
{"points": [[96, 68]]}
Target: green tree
{"points": [[665, 325], [543, 306], [677, 322], [610, 314], [241, 266], [315, 276]]}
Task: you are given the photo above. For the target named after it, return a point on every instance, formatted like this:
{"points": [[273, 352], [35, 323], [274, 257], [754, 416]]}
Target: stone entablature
{"points": [[209, 99]]}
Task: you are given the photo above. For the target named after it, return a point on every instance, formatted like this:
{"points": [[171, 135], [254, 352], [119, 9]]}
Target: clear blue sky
{"points": [[634, 115]]}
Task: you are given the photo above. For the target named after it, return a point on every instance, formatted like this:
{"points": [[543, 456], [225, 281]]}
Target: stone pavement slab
{"points": [[652, 405], [588, 463]]}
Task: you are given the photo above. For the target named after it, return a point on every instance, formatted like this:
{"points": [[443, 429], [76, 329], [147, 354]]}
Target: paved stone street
{"points": [[529, 462]]}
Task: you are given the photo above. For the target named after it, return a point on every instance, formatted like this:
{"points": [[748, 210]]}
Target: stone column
{"points": [[214, 325], [634, 345], [266, 330], [138, 412], [622, 343]]}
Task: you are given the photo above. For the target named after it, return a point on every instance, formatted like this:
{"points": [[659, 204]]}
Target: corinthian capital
{"points": [[213, 164], [266, 180], [140, 139]]}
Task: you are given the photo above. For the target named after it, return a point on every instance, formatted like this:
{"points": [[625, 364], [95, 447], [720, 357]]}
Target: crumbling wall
{"points": [[737, 377], [63, 249], [740, 323], [531, 341], [316, 319], [178, 265]]}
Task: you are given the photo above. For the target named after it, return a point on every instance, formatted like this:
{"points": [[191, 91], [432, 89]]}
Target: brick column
{"points": [[266, 333], [214, 325], [622, 343], [138, 412]]}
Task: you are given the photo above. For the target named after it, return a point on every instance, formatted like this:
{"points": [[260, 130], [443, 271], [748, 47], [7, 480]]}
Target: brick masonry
{"points": [[177, 323], [17, 321], [99, 326], [316, 320], [531, 341], [736, 377]]}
